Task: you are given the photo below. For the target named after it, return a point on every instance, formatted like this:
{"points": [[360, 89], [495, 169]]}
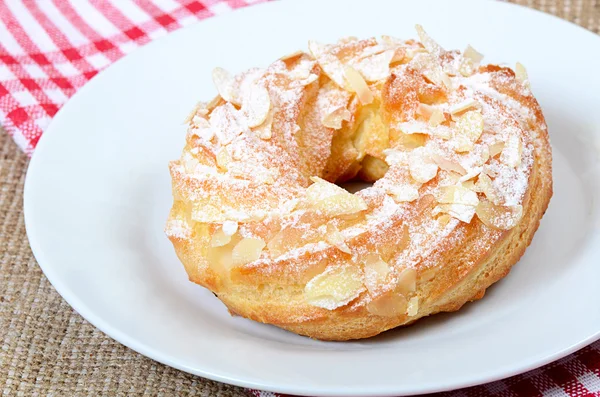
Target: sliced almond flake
{"points": [[294, 54], [444, 219], [194, 112], [472, 54], [334, 237], [483, 155], [499, 217], [425, 110], [470, 61], [473, 172], [227, 123], [230, 227], [521, 73], [430, 68], [220, 238], [404, 193], [442, 131], [203, 129], [406, 281], [331, 65], [462, 212], [224, 82], [376, 270], [469, 128], [399, 55], [434, 48], [200, 121], [484, 185], [335, 118], [413, 127], [421, 166], [463, 106], [347, 39], [223, 158], [333, 200], [496, 149], [390, 41], [448, 165], [433, 115], [358, 85], [265, 130], [375, 67], [371, 50], [246, 251], [335, 287], [413, 306], [389, 304], [469, 184], [456, 194], [256, 104], [511, 154]]}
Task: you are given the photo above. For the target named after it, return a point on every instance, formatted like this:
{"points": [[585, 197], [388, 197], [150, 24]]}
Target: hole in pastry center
{"points": [[355, 185]]}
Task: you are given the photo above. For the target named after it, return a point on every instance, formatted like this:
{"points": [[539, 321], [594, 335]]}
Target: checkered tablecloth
{"points": [[51, 48]]}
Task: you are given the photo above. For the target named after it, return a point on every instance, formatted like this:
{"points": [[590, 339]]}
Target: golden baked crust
{"points": [[460, 160]]}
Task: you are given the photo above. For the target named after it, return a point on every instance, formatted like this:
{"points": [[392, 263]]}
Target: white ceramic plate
{"points": [[98, 192]]}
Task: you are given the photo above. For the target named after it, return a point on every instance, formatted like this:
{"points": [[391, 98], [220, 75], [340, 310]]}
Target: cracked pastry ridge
{"points": [[457, 151]]}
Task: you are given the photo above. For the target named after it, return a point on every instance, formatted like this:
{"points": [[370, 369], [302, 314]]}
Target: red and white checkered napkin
{"points": [[50, 48]]}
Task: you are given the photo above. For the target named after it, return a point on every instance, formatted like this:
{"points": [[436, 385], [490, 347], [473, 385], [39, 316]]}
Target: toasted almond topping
{"points": [[223, 158], [376, 271], [421, 166], [469, 62], [472, 54], [469, 128], [461, 212], [220, 238], [294, 54], [358, 85], [375, 67], [331, 65], [230, 227], [333, 200], [224, 82], [463, 106], [335, 287], [256, 104], [334, 237], [484, 185], [246, 251], [404, 193], [457, 194], [437, 117], [497, 216], [521, 73], [444, 219], [496, 148], [265, 130], [335, 118], [413, 306], [432, 47], [407, 281], [511, 154], [390, 304], [448, 165]]}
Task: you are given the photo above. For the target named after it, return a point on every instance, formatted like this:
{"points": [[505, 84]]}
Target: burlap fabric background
{"points": [[48, 349]]}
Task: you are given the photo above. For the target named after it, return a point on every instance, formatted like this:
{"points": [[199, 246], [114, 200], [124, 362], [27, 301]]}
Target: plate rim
{"points": [[155, 354]]}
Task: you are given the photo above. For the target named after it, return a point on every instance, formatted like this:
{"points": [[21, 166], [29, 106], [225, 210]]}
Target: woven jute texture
{"points": [[48, 349]]}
